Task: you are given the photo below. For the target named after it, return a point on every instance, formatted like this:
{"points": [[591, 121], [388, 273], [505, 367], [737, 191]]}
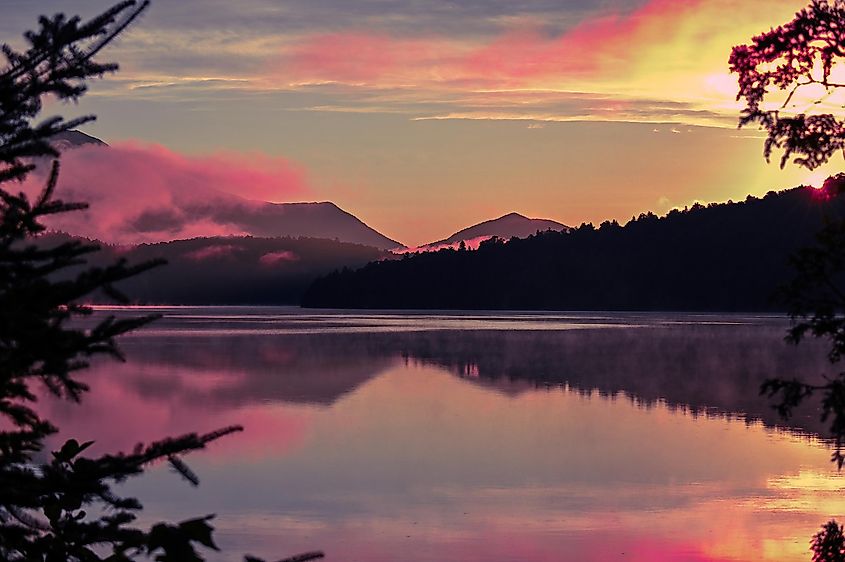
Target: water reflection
{"points": [[706, 363], [412, 438]]}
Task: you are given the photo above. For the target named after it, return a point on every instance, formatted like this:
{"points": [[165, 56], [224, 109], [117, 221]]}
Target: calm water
{"points": [[494, 437]]}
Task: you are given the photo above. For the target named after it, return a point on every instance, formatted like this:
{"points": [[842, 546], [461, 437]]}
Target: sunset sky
{"points": [[422, 117]]}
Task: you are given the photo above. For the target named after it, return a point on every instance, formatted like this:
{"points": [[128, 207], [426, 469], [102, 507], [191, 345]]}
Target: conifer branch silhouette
{"points": [[47, 508]]}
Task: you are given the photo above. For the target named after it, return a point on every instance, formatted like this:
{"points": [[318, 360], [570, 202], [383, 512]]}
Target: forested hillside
{"points": [[232, 270], [721, 257]]}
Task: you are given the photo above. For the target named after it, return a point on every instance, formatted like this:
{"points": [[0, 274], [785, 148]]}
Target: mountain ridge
{"points": [[323, 219], [226, 270]]}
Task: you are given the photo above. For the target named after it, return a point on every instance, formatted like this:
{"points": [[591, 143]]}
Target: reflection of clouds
{"points": [[446, 444], [708, 368], [144, 405], [416, 461], [701, 363], [417, 540], [251, 369]]}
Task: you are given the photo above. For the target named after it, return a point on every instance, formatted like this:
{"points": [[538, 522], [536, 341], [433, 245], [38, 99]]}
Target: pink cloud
{"points": [[521, 55], [345, 57], [145, 193], [589, 48], [275, 258], [368, 58], [604, 44]]}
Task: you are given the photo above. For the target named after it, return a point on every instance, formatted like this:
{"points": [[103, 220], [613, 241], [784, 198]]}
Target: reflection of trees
{"points": [[314, 369], [706, 368]]}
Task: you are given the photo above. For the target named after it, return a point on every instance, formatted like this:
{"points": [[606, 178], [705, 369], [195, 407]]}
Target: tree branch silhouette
{"points": [[800, 54], [47, 509]]}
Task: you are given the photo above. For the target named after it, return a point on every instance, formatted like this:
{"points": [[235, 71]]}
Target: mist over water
{"points": [[477, 436]]}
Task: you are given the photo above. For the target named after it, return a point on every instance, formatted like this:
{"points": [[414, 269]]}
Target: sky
{"points": [[422, 117]]}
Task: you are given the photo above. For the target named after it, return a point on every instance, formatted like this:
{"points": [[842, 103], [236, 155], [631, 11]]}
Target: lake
{"points": [[472, 436]]}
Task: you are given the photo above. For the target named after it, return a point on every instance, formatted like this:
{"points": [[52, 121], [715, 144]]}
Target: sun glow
{"points": [[815, 179]]}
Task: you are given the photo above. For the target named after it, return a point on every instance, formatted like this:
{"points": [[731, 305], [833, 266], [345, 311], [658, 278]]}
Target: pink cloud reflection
{"points": [[139, 417]]}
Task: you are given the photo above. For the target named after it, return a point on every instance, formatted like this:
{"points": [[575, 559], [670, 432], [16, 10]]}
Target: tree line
{"points": [[731, 256]]}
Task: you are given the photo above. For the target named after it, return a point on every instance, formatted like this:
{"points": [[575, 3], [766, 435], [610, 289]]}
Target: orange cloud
{"points": [[595, 46], [516, 57], [671, 51]]}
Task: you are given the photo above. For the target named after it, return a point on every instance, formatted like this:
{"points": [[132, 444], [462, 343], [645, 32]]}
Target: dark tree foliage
{"points": [[62, 508], [720, 257], [233, 270], [796, 55], [828, 545], [800, 55]]}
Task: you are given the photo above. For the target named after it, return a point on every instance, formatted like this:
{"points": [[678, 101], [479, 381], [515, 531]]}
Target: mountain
{"points": [[229, 270], [507, 226], [312, 220], [720, 257], [184, 210]]}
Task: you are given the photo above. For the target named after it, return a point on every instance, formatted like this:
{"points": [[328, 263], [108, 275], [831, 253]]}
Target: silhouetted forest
{"points": [[720, 257], [232, 270]]}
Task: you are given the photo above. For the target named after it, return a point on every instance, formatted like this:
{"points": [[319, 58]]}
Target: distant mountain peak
{"points": [[507, 226], [322, 219]]}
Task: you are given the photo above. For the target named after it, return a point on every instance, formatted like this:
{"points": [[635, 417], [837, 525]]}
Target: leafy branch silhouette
{"points": [[803, 54]]}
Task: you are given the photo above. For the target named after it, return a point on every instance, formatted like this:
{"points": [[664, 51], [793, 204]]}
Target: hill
{"points": [[512, 225], [720, 257], [507, 226], [311, 220], [231, 270]]}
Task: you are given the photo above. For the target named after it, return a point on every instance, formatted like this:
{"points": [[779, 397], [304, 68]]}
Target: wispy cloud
{"points": [[431, 59], [672, 50], [669, 52]]}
